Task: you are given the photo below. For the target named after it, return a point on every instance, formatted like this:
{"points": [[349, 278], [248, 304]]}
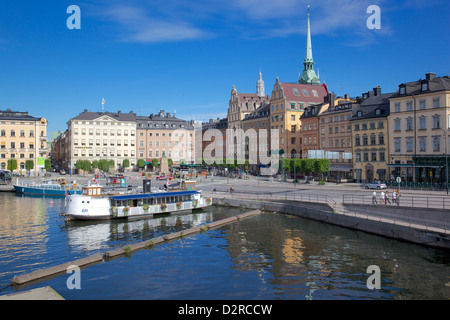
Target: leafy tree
{"points": [[48, 164], [29, 164], [141, 163], [321, 166], [95, 164], [11, 164], [155, 163], [125, 163]]}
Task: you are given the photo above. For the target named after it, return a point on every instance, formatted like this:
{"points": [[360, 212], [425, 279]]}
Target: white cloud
{"points": [[177, 20], [141, 27]]}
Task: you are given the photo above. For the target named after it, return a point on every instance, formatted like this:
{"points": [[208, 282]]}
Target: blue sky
{"points": [[186, 56]]}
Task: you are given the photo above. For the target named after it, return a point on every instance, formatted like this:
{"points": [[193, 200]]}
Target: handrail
{"points": [[404, 201]]}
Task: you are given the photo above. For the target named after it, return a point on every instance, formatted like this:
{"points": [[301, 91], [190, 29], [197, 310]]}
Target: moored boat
{"points": [[46, 188], [92, 205]]}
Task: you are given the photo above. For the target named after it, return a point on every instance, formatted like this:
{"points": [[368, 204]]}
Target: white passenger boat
{"points": [[92, 205]]}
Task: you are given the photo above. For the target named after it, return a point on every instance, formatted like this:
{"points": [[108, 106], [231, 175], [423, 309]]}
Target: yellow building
{"points": [[22, 137], [418, 129], [287, 105], [370, 137]]}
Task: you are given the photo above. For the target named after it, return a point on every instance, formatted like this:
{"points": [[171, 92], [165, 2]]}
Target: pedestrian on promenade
{"points": [[398, 197], [387, 198], [231, 190], [382, 197], [374, 197], [394, 197]]}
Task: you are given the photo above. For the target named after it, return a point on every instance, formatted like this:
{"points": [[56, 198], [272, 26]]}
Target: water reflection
{"points": [[91, 236]]}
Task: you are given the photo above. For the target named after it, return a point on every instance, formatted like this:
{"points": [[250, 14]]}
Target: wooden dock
{"points": [[45, 293]]}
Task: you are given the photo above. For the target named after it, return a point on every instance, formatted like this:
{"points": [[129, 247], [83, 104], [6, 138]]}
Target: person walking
{"points": [[382, 197], [387, 198], [394, 196], [374, 197]]}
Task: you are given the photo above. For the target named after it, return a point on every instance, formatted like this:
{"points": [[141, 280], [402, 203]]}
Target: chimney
{"points": [[346, 96], [430, 75], [119, 111], [331, 98], [161, 113], [377, 90], [85, 110]]}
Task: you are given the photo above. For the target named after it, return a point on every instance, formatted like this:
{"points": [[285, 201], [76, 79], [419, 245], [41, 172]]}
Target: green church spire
{"points": [[309, 75]]}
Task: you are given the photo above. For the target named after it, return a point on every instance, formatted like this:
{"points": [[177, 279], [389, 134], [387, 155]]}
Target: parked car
{"points": [[162, 177], [375, 185], [62, 171]]}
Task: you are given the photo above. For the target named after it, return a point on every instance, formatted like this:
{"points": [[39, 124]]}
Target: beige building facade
{"points": [[419, 128], [22, 137]]}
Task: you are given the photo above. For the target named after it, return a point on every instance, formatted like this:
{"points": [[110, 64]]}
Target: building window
{"points": [[357, 140], [409, 106], [409, 144], [409, 124], [397, 107], [381, 139], [437, 143], [365, 140], [358, 157], [365, 156], [373, 139], [397, 124], [382, 156], [436, 103], [422, 123], [373, 156], [422, 104], [436, 121], [422, 144], [397, 144]]}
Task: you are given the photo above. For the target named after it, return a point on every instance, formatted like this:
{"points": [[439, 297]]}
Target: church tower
{"points": [[260, 91], [309, 75]]}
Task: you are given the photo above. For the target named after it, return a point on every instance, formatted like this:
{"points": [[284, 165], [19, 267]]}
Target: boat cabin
{"points": [[188, 185], [93, 191], [143, 199]]}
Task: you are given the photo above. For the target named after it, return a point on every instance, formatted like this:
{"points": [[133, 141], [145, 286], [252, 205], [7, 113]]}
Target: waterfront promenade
{"points": [[421, 212]]}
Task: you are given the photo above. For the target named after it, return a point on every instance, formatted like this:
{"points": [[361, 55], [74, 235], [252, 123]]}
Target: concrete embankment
{"points": [[364, 218], [98, 258]]}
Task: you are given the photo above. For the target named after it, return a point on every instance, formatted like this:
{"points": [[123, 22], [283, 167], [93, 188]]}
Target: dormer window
{"points": [[359, 113], [402, 89], [424, 86], [378, 112]]}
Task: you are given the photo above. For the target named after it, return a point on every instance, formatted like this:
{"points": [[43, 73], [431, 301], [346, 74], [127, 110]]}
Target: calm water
{"points": [[270, 256]]}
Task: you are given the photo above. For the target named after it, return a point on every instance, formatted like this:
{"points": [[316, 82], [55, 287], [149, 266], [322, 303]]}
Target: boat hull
{"points": [[45, 191], [82, 207]]}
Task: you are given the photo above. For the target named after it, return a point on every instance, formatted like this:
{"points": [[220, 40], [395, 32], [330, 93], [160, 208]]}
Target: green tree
{"points": [[141, 163], [125, 163], [29, 164], [321, 166], [48, 164], [95, 164], [155, 163], [11, 165]]}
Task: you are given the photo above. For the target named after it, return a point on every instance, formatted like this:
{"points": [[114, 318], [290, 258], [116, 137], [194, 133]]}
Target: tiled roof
{"points": [[86, 115], [16, 115], [415, 87], [304, 92]]}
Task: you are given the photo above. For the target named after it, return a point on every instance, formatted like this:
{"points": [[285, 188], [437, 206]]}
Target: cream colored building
{"points": [[371, 137], [418, 129], [22, 137], [100, 135]]}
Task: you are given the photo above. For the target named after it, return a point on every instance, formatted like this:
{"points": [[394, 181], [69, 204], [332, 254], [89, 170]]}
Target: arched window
{"points": [[357, 140]]}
